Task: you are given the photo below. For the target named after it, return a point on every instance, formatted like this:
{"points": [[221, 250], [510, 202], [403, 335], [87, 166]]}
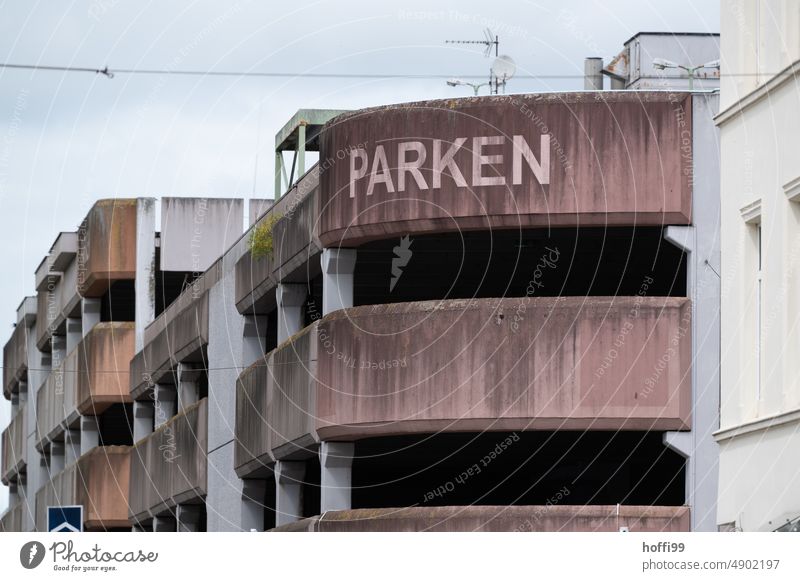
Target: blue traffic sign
{"points": [[65, 519]]}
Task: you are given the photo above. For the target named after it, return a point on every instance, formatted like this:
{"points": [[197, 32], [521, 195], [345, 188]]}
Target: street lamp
{"points": [[662, 64], [475, 86]]}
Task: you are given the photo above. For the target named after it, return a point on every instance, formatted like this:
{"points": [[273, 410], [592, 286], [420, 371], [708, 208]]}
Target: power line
{"points": [[110, 73]]}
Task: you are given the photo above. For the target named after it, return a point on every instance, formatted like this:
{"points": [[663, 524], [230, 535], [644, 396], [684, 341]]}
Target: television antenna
{"points": [[489, 40]]}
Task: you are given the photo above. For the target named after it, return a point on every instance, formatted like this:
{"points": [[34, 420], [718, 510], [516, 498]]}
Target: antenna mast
{"points": [[489, 40]]}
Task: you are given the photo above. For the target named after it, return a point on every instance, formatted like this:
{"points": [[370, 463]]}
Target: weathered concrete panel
{"points": [[107, 246], [99, 481], [195, 232], [170, 465], [15, 360], [561, 518], [14, 449], [172, 338], [603, 158], [470, 365], [12, 520], [295, 244], [91, 378]]}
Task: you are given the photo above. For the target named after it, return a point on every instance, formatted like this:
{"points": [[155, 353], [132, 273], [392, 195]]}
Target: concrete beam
{"points": [[90, 434], [290, 299], [90, 314], [336, 476], [338, 266], [289, 491], [143, 419]]}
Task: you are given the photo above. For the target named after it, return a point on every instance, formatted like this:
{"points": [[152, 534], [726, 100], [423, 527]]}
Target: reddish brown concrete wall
{"points": [[563, 518], [616, 158], [99, 480], [106, 353], [569, 363], [106, 246]]}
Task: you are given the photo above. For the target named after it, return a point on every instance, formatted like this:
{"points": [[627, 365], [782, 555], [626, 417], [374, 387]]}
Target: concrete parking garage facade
{"points": [[497, 313]]}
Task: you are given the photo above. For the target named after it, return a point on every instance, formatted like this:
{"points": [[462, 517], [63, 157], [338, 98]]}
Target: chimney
{"points": [[593, 74]]}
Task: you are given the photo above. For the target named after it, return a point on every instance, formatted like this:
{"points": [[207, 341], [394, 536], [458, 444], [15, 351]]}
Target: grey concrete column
{"points": [[13, 494], [22, 396], [288, 491], [254, 337], [164, 524], [188, 392], [188, 518], [56, 458], [336, 475], [90, 434], [74, 333], [338, 266], [90, 314], [165, 405], [145, 281], [72, 446], [143, 419], [253, 497], [290, 299], [138, 528]]}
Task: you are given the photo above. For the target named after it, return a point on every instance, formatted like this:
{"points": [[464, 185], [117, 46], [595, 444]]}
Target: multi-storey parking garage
{"points": [[496, 313]]}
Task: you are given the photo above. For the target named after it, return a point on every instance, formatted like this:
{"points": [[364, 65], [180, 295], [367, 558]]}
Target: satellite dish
{"points": [[503, 68]]}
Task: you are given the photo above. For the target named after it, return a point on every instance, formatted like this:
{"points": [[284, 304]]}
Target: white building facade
{"points": [[759, 435]]}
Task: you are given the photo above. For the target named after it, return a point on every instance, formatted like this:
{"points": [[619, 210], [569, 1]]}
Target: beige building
{"points": [[759, 434]]}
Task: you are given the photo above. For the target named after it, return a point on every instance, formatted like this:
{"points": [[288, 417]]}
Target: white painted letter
{"points": [[479, 160], [412, 167], [541, 171], [379, 164], [440, 162], [361, 172]]}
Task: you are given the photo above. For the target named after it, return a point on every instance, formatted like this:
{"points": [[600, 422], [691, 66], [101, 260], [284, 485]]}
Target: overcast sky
{"points": [[71, 138]]}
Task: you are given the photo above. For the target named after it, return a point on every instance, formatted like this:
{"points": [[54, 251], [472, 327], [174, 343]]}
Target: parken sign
{"points": [[406, 161], [568, 159]]}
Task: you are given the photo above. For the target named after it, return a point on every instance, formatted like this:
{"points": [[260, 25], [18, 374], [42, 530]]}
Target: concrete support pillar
{"points": [[288, 491], [254, 336], [22, 396], [164, 524], [72, 446], [143, 418], [58, 345], [338, 266], [90, 314], [13, 494], [189, 517], [188, 390], [74, 333], [253, 499], [90, 434], [165, 403], [290, 299], [279, 169], [301, 150], [145, 280], [56, 458], [336, 475], [138, 528]]}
